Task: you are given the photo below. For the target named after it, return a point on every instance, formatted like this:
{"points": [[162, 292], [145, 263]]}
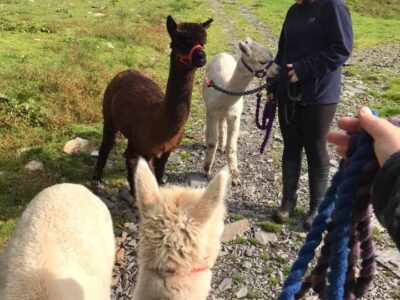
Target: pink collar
{"points": [[199, 269], [171, 272]]}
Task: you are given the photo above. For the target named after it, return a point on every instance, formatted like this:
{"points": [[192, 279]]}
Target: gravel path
{"points": [[247, 269]]}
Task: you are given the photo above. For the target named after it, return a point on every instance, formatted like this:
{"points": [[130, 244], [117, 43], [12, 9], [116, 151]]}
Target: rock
{"points": [[390, 258], [225, 285], [126, 196], [34, 165], [75, 145], [249, 251], [120, 254], [235, 230], [108, 203], [197, 181], [94, 153], [265, 237], [247, 265], [242, 292]]}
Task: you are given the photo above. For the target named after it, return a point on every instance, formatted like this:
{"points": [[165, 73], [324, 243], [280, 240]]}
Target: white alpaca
{"points": [[180, 230], [224, 111], [62, 249]]}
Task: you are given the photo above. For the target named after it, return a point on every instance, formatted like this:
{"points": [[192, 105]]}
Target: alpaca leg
{"points": [[231, 148], [222, 135], [131, 159], [107, 144], [211, 140], [159, 166]]}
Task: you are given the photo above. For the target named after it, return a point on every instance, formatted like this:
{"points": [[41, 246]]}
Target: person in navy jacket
{"points": [[315, 41]]}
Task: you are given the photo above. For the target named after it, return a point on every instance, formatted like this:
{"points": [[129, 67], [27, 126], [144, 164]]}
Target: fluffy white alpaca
{"points": [[62, 249], [223, 111], [180, 230]]}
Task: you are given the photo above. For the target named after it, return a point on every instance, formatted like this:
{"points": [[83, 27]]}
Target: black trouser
{"points": [[307, 128]]}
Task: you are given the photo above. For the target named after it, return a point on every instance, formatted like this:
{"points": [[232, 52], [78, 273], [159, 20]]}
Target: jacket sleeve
{"points": [[278, 58], [386, 196], [339, 33]]}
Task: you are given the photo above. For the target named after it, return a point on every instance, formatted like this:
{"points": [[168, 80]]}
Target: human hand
{"points": [[292, 73], [386, 136]]}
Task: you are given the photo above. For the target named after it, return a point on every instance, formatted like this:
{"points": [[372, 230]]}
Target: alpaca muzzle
{"points": [[188, 58]]}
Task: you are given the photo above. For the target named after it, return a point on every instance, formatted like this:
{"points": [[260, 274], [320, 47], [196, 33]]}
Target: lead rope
{"points": [[349, 227]]}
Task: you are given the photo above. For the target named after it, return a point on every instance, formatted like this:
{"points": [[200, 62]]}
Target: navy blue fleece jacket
{"points": [[317, 39]]}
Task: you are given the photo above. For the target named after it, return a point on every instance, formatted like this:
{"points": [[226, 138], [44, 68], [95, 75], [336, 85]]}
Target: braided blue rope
{"points": [[314, 237], [344, 207], [340, 197]]}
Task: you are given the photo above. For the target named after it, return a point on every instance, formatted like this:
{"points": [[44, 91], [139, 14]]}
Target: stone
{"points": [[226, 284], [94, 153], [197, 181], [389, 258], [242, 292], [75, 145], [108, 203], [247, 265], [265, 237], [126, 196], [234, 230], [34, 165]]}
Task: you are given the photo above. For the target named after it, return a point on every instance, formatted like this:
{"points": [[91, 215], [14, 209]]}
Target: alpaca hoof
{"points": [[221, 150], [236, 181], [161, 181], [208, 175], [96, 184]]}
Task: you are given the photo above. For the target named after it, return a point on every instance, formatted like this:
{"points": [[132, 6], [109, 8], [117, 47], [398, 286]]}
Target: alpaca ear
{"points": [[213, 197], [146, 187], [207, 23], [171, 26], [245, 49]]}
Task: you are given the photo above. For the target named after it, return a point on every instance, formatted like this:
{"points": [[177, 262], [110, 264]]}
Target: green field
{"points": [[56, 58]]}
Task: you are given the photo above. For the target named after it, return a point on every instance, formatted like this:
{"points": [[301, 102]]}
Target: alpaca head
{"points": [[258, 58], [187, 41], [180, 227]]}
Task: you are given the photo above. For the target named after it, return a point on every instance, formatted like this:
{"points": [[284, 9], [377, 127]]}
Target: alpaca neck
{"points": [[239, 81], [178, 95]]}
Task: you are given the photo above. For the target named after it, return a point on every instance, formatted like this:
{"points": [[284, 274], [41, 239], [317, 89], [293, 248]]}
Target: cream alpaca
{"points": [[180, 234], [224, 111], [62, 249]]}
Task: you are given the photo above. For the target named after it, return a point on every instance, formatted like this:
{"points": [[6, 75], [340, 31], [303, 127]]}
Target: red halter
{"points": [[187, 58]]}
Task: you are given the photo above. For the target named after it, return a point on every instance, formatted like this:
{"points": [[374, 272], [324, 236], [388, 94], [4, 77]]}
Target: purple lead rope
{"points": [[267, 119]]}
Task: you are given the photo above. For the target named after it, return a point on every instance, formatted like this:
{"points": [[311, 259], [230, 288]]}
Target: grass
{"points": [[241, 241], [270, 227], [55, 61], [236, 217], [237, 278]]}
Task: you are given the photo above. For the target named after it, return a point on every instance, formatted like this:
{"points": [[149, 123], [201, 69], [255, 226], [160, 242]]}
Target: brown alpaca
{"points": [[136, 106], [180, 231]]}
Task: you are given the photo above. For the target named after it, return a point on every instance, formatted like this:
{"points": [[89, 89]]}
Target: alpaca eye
{"points": [[263, 62]]}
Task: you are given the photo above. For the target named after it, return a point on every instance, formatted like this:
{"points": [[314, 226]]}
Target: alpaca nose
{"points": [[199, 58]]}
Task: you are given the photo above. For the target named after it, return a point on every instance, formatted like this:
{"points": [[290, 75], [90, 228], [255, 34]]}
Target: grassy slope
{"points": [[55, 61]]}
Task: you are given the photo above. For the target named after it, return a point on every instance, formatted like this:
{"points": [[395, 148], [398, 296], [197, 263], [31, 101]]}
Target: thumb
{"points": [[374, 125]]}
